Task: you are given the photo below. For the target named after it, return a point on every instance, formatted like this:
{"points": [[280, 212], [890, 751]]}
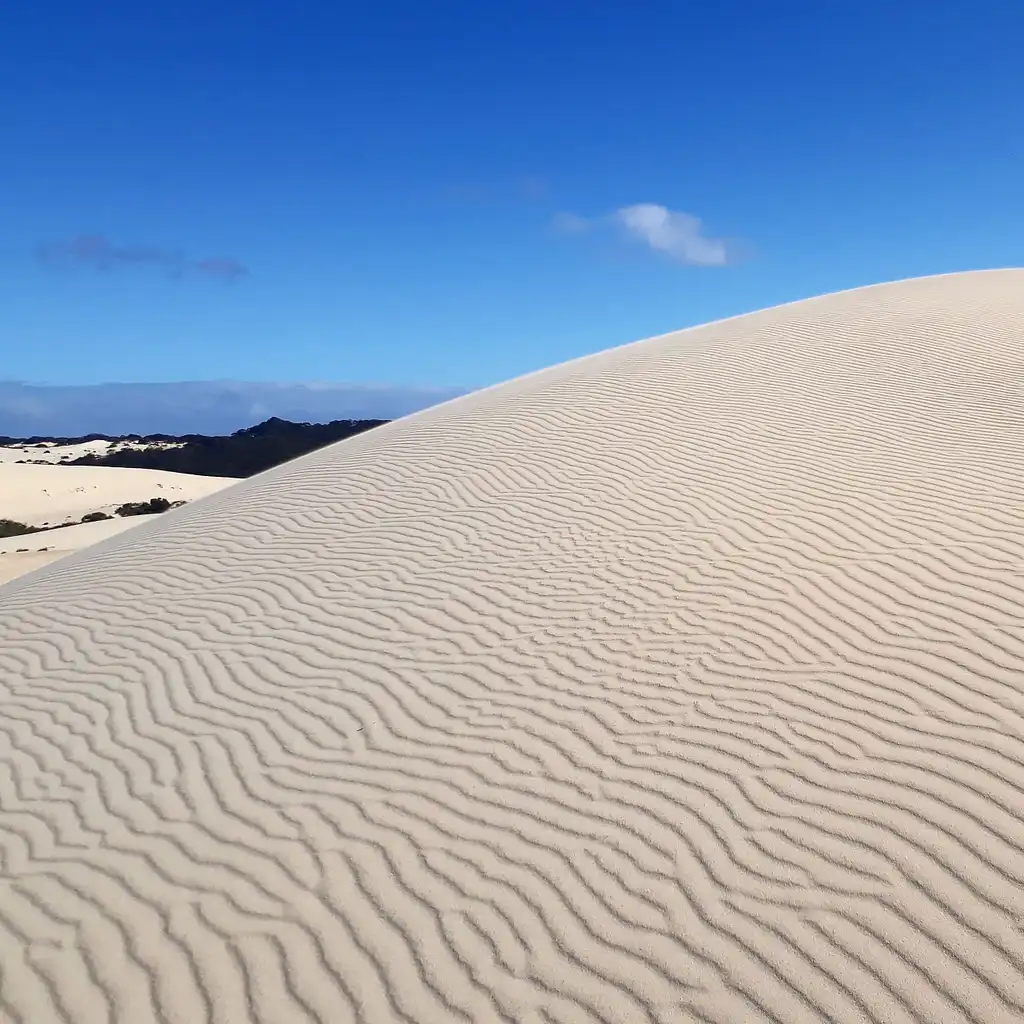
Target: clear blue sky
{"points": [[392, 175]]}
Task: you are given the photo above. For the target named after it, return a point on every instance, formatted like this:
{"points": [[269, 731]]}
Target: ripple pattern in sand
{"points": [[682, 683]]}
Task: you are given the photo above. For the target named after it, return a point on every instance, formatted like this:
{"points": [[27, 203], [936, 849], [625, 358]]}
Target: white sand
{"points": [[19, 555], [52, 495], [681, 683]]}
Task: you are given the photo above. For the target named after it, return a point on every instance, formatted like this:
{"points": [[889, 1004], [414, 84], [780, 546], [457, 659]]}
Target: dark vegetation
{"points": [[145, 508], [12, 528], [241, 454]]}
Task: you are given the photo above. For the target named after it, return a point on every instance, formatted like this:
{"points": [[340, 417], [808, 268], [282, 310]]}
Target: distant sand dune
{"points": [[51, 495], [27, 552], [681, 683]]}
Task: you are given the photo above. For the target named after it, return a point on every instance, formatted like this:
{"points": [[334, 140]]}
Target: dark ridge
{"points": [[241, 454]]}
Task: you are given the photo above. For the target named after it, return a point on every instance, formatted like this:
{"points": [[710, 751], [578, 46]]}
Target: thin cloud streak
{"points": [[96, 252], [529, 189], [224, 270], [571, 224]]}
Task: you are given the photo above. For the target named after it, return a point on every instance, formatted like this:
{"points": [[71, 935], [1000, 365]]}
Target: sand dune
{"points": [[54, 494], [681, 683]]}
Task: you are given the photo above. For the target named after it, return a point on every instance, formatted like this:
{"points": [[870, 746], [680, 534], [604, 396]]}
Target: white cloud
{"points": [[679, 235], [674, 233]]}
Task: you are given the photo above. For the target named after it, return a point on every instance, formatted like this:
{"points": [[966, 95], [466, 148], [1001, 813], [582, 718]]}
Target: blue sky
{"points": [[451, 193]]}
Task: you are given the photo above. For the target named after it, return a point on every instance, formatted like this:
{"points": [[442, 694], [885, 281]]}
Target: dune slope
{"points": [[681, 683]]}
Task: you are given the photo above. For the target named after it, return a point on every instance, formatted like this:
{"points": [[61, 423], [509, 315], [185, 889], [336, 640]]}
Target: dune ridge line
{"points": [[679, 683]]}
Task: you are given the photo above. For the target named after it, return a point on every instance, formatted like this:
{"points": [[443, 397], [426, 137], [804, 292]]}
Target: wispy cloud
{"points": [[528, 188], [572, 224], [99, 253], [225, 270], [678, 235]]}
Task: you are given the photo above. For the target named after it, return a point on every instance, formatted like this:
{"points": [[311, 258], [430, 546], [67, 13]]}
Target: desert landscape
{"points": [[78, 491], [679, 683]]}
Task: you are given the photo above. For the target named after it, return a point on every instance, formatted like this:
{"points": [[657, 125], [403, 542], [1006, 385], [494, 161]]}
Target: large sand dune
{"points": [[681, 683]]}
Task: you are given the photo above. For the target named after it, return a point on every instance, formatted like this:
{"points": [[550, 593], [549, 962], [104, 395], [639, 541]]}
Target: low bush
{"points": [[143, 508], [10, 528]]}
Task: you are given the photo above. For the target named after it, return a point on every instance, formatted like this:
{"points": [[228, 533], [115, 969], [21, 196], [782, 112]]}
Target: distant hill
{"points": [[206, 407], [241, 454]]}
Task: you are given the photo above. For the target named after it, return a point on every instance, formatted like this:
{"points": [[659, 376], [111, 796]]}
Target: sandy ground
{"points": [[51, 495], [20, 555], [681, 683]]}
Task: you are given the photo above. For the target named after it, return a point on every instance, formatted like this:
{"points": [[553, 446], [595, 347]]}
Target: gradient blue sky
{"points": [[392, 174]]}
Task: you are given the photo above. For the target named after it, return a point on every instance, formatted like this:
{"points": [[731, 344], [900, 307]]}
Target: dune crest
{"points": [[680, 683]]}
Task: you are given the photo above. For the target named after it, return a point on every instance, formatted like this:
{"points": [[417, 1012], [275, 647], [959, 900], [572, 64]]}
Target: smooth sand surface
{"points": [[25, 553], [54, 494], [682, 683]]}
